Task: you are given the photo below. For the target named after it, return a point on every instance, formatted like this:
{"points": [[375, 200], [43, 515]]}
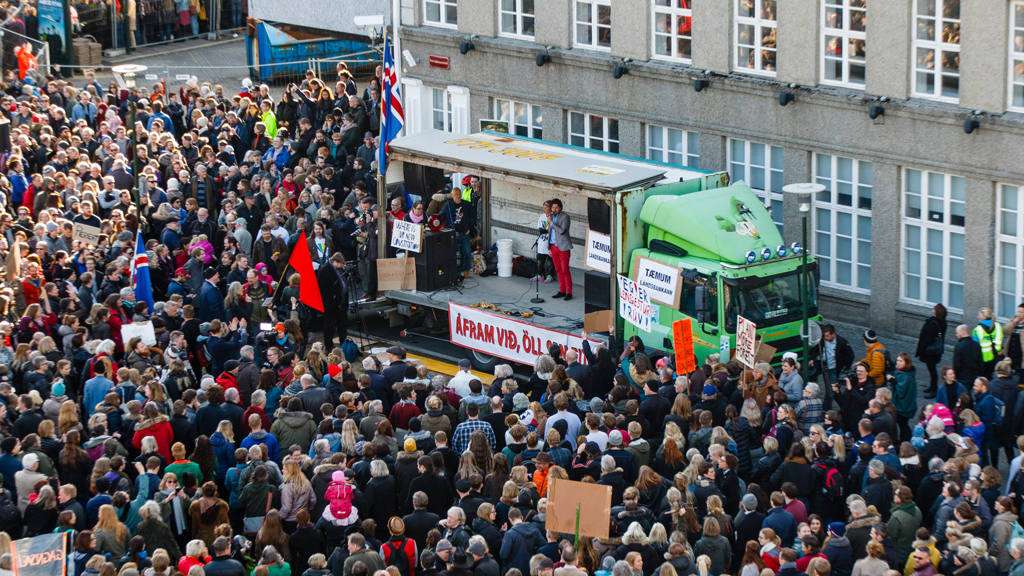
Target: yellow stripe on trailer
{"points": [[447, 368]]}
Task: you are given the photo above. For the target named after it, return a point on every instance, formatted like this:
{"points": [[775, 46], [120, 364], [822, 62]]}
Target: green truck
{"points": [[702, 247]]}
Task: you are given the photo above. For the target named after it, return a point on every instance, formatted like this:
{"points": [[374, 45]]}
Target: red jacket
{"points": [[227, 380], [402, 412], [160, 429], [398, 545]]}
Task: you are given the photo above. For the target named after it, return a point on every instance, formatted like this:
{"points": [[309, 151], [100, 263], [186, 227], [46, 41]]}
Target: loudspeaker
{"points": [[597, 288], [435, 265], [423, 180], [599, 216]]}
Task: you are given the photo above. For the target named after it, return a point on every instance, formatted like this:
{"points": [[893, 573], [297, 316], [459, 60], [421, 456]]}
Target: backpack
{"points": [[350, 349], [997, 419], [834, 487], [397, 556], [339, 494], [890, 364]]}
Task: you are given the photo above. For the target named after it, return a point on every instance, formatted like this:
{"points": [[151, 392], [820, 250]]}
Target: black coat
{"points": [[438, 491], [418, 524], [380, 500], [302, 544], [967, 361], [932, 330]]}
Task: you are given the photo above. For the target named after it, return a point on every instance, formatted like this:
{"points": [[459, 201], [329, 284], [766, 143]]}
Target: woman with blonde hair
{"points": [[67, 418], [350, 437], [468, 467], [111, 534], [296, 493]]}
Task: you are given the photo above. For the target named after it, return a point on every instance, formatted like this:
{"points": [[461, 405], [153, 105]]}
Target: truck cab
{"points": [[731, 261]]}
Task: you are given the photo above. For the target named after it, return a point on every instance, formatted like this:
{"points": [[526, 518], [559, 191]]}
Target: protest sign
{"points": [[86, 234], [635, 304], [396, 274], [407, 236], [579, 507], [504, 337], [41, 555], [682, 343], [660, 280], [143, 330], [599, 252], [746, 342], [598, 321]]}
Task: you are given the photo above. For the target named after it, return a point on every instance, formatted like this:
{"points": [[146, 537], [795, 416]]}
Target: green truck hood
{"points": [[720, 224]]}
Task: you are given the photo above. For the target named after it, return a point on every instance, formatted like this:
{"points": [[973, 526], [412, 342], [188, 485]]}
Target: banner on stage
{"points": [[504, 337]]}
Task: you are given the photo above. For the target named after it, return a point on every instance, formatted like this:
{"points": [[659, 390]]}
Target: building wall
{"points": [[913, 133]]}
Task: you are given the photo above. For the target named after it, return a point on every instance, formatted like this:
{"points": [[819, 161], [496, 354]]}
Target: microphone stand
{"points": [[536, 277]]}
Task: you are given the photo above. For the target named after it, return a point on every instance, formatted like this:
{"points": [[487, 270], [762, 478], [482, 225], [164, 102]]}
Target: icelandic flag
{"points": [[140, 273], [392, 116]]}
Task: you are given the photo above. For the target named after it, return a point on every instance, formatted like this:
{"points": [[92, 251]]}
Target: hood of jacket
{"points": [[642, 446], [295, 419], [839, 542], [218, 440], [150, 422], [865, 522]]}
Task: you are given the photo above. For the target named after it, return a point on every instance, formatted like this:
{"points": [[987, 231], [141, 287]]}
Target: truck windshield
{"points": [[769, 301]]}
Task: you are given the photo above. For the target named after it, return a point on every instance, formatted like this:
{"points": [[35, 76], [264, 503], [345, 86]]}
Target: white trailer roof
{"points": [[500, 155]]}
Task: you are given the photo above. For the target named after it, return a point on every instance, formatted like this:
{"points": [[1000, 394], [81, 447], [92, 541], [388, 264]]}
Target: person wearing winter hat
{"points": [[874, 357], [838, 550], [340, 510], [399, 550]]}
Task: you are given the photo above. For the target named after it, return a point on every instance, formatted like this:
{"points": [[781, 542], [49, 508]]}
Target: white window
{"points": [[593, 27], [673, 145], [844, 38], [842, 221], [516, 18], [441, 107], [756, 36], [443, 13], [937, 49], [1010, 250], [760, 166], [593, 131], [523, 119], [933, 238], [673, 25], [1017, 56]]}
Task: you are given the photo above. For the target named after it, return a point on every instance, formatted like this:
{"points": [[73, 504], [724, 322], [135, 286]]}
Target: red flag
{"points": [[302, 262]]}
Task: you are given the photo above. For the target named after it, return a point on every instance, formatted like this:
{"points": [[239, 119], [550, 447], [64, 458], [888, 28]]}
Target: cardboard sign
{"points": [[505, 337], [765, 352], [396, 274], [635, 304], [593, 502], [682, 343], [746, 341], [660, 280], [598, 321], [86, 234], [599, 252], [407, 236], [143, 330], [41, 555]]}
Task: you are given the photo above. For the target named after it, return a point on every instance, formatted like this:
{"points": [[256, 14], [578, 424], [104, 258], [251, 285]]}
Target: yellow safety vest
{"points": [[467, 194], [991, 342]]}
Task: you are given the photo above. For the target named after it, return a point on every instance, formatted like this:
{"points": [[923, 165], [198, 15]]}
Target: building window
{"points": [[516, 18], [593, 131], [441, 13], [1017, 56], [756, 36], [441, 106], [593, 24], [760, 166], [673, 145], [933, 238], [1010, 250], [937, 49], [844, 28], [842, 221], [673, 25], [523, 119]]}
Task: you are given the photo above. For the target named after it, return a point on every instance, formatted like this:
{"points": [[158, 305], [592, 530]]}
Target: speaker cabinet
{"points": [[596, 291], [599, 216], [435, 265]]}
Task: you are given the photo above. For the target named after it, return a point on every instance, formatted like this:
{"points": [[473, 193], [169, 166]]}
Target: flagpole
{"points": [[382, 233], [396, 22]]}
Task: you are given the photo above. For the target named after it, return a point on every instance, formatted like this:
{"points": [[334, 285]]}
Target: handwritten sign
{"points": [[144, 330], [407, 236], [746, 341], [682, 343], [599, 252], [635, 304], [660, 280], [505, 337], [85, 234], [396, 274]]}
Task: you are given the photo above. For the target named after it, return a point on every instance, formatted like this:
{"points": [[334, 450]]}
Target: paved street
{"points": [[221, 61]]}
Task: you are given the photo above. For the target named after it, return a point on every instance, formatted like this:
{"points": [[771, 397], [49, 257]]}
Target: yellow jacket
{"points": [[874, 357]]}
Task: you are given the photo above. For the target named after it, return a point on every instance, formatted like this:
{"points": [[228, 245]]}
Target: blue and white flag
{"points": [[392, 116], [141, 283]]}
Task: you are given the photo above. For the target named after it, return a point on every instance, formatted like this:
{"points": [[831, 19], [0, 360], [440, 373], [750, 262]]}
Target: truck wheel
{"points": [[482, 362]]}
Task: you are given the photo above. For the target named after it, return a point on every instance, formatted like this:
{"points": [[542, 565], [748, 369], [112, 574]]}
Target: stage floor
{"points": [[511, 296]]}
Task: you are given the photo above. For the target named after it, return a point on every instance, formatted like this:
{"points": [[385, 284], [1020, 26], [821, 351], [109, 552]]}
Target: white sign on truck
{"points": [[660, 280], [599, 252]]}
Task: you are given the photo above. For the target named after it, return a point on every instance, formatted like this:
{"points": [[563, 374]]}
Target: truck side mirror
{"points": [[704, 308]]}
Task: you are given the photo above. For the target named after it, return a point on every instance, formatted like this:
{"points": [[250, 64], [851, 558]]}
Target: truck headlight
{"points": [[781, 250], [751, 257], [797, 248], [766, 254]]}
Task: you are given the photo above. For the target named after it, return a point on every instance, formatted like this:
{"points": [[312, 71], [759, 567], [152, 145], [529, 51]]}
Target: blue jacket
{"points": [[224, 451], [9, 466], [985, 405], [211, 303], [942, 397], [171, 239], [840, 556], [265, 438], [18, 186], [519, 544], [95, 389], [782, 522]]}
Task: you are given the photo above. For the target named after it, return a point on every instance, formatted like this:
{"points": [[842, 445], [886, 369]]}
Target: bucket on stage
{"points": [[505, 271], [505, 258]]}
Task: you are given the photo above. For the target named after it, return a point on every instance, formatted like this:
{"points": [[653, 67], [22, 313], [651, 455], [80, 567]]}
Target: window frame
{"points": [[442, 7], [675, 13], [846, 34], [446, 110], [595, 26], [587, 135], [768, 196], [758, 24], [1016, 239], [535, 128], [938, 47], [834, 208], [924, 225], [1014, 57], [690, 157], [520, 18]]}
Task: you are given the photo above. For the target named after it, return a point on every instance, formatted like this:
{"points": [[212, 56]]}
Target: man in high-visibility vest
{"points": [[989, 335]]}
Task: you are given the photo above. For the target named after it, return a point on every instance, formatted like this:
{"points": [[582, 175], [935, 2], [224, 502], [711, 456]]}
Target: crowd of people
{"points": [[245, 434]]}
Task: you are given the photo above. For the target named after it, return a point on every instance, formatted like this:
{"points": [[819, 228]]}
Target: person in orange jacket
{"points": [[874, 357], [540, 475]]}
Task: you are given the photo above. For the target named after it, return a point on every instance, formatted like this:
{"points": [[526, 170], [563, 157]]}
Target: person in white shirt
{"points": [[545, 267], [594, 432], [460, 382]]}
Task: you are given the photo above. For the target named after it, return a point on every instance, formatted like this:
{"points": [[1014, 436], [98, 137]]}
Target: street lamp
{"points": [[804, 194], [127, 74]]}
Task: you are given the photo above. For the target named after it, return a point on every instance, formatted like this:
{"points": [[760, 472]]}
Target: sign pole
{"points": [[576, 542]]}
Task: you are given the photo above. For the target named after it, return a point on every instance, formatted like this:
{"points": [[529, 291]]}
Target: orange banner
{"points": [[682, 343]]}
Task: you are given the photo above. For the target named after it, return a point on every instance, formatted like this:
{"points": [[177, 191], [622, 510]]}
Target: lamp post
{"points": [[804, 194], [127, 74]]}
